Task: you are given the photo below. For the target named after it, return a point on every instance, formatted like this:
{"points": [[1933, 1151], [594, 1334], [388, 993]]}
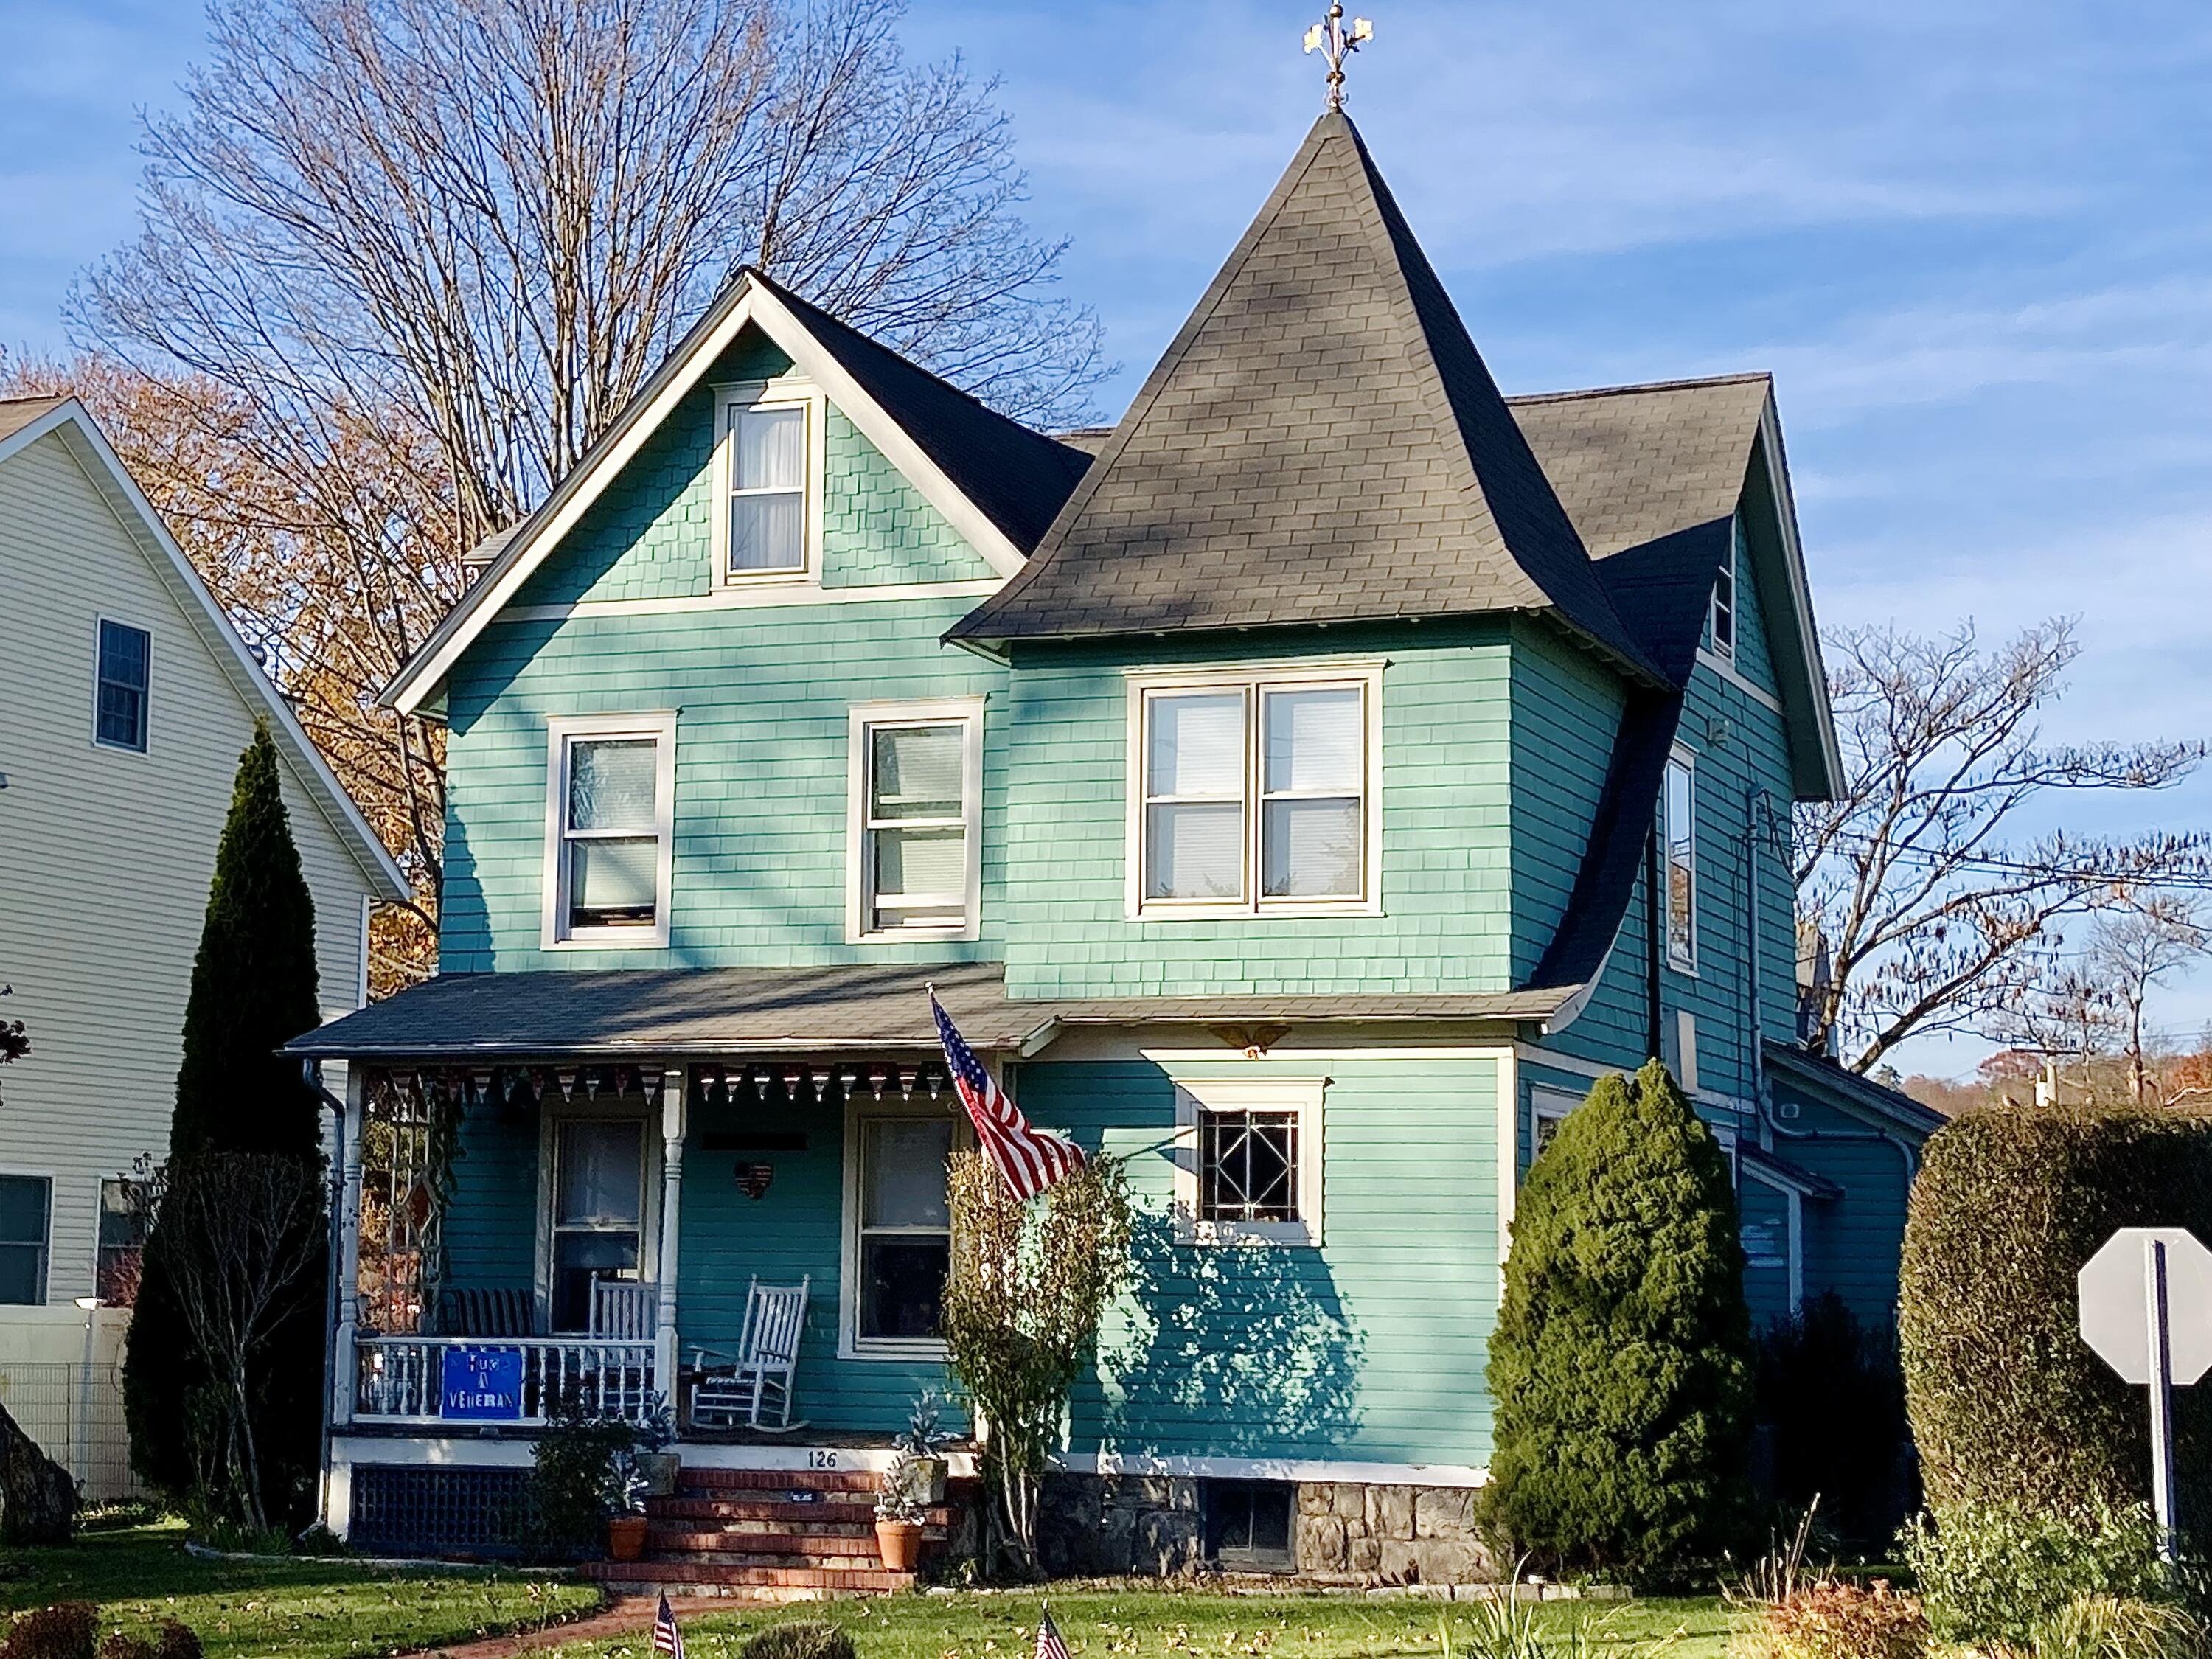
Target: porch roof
{"points": [[634, 1013]]}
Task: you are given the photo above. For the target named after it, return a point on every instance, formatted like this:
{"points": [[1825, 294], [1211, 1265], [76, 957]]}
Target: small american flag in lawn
{"points": [[1049, 1646], [1030, 1159], [666, 1638]]}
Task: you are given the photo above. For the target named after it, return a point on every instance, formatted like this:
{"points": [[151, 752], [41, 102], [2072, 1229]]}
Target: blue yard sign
{"points": [[482, 1384]]}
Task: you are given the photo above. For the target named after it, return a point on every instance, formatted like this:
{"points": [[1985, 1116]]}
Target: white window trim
{"points": [[613, 1109], [1731, 570], [98, 621], [1300, 1094], [1547, 1105], [1254, 681], [863, 717], [783, 391], [46, 1245], [1686, 965], [554, 933], [851, 1345]]}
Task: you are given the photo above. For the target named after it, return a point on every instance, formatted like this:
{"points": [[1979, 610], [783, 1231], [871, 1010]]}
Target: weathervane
{"points": [[1331, 36]]}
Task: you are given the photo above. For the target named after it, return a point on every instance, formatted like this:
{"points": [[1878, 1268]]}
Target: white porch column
{"points": [[671, 1200], [343, 1369]]}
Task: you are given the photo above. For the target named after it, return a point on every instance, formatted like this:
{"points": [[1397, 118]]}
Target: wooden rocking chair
{"points": [[757, 1378]]}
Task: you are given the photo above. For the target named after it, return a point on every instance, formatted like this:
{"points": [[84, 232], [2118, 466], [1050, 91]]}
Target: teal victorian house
{"points": [[1307, 788]]}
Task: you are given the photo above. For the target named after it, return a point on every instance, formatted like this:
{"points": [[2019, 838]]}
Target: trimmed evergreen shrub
{"points": [[253, 990], [810, 1638], [2009, 1408], [1620, 1368], [1831, 1396]]}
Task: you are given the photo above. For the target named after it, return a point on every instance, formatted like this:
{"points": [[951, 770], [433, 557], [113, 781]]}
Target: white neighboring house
{"points": [[126, 699]]}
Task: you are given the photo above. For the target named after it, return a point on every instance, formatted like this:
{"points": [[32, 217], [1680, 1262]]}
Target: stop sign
{"points": [[2116, 1302]]}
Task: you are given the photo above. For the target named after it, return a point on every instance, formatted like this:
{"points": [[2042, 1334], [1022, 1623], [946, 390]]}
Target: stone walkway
{"points": [[627, 1615]]}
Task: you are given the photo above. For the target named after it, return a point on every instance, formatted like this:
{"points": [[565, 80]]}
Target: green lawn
{"points": [[303, 1609], [1167, 1622]]}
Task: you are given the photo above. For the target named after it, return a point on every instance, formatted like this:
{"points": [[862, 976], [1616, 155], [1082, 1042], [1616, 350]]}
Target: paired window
{"points": [[900, 1245], [1679, 817], [611, 823], [598, 1210], [1253, 795], [26, 1211], [915, 820], [124, 686], [1249, 1163], [770, 439], [125, 1218]]}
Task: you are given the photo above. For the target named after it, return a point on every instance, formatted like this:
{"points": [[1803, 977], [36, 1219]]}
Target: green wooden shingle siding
{"points": [[1566, 712], [1445, 780], [1372, 1347]]}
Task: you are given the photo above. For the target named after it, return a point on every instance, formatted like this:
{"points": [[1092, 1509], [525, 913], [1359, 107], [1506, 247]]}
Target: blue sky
{"points": [[1971, 238]]}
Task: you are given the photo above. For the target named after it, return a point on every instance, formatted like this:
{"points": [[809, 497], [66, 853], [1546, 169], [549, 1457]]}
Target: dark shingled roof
{"points": [[613, 1013], [1321, 442], [1015, 476]]}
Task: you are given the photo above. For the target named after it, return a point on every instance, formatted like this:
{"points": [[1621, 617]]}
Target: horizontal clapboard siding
{"points": [[106, 856]]}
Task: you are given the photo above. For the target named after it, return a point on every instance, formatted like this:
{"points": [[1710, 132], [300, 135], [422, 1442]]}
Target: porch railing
{"points": [[481, 1381]]}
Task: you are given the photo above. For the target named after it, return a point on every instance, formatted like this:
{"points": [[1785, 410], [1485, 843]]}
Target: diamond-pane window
{"points": [[1247, 1166]]}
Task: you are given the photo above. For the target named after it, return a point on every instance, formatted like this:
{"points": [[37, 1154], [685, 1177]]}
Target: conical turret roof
{"points": [[1321, 443]]}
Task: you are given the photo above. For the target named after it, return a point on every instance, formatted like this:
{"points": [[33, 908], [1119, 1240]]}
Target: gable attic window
{"points": [[610, 830], [1253, 793], [124, 682], [768, 472], [1677, 813], [915, 824], [1722, 623]]}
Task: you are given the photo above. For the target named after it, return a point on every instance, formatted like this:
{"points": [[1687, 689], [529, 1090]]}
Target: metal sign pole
{"points": [[2161, 1396]]}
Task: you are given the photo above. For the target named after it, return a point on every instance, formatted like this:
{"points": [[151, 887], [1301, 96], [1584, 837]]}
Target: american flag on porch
{"points": [[1029, 1159], [666, 1638]]}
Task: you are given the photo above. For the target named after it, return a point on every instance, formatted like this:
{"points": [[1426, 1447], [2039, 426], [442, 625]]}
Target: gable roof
{"points": [[1321, 442], [997, 483], [22, 423]]}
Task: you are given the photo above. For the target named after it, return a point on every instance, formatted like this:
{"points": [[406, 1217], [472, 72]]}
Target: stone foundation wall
{"points": [[1341, 1531]]}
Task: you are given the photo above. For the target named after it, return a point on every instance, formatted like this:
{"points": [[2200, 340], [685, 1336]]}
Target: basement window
{"points": [[1248, 1524]]}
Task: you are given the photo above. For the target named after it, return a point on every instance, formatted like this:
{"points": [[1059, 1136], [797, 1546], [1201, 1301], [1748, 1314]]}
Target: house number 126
{"points": [[821, 1460]]}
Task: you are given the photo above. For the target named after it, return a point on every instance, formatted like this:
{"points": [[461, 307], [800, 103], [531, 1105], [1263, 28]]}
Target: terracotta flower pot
{"points": [[625, 1537], [899, 1543]]}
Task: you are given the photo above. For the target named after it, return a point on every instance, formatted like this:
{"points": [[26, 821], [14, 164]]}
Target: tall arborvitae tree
{"points": [[1621, 1365], [253, 990]]}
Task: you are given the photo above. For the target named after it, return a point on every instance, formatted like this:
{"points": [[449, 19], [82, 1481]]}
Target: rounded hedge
{"points": [[1621, 1364], [2010, 1409]]}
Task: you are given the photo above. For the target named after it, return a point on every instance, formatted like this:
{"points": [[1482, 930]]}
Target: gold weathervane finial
{"points": [[1329, 36]]}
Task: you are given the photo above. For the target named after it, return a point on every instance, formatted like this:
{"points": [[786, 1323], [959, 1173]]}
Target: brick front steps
{"points": [[764, 1536]]}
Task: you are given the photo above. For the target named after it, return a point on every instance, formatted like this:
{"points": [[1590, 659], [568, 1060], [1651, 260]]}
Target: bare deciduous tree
{"points": [[1935, 918], [403, 260], [248, 1232]]}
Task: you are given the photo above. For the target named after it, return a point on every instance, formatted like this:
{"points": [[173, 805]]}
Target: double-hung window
{"points": [[598, 1210], [125, 1218], [901, 1241], [914, 822], [1679, 816], [26, 1216], [124, 684], [769, 475], [1254, 794], [610, 830], [1249, 1163]]}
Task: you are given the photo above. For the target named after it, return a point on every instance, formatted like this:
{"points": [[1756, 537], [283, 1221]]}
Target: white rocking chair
{"points": [[625, 1310], [757, 1378]]}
